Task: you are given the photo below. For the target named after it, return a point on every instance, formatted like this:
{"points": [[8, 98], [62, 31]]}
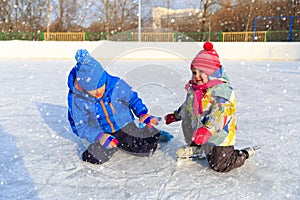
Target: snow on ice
{"points": [[40, 156]]}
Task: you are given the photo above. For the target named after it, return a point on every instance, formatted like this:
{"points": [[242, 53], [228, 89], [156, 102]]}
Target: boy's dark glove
{"points": [[107, 141], [149, 120]]}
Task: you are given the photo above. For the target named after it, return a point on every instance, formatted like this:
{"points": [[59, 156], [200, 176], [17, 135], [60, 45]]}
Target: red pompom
{"points": [[208, 46]]}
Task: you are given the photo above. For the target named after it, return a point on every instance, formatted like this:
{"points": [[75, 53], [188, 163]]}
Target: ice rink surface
{"points": [[40, 156]]}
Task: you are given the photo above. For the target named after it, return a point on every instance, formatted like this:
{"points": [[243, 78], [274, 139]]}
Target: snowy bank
{"points": [[107, 50]]}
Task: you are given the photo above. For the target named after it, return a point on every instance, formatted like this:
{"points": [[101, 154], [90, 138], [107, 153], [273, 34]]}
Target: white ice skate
{"points": [[190, 152], [250, 151]]}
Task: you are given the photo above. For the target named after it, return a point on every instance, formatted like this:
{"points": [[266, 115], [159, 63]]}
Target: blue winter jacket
{"points": [[89, 116]]}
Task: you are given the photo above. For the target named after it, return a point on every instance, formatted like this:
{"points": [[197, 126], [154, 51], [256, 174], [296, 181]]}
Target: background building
{"points": [[169, 18]]}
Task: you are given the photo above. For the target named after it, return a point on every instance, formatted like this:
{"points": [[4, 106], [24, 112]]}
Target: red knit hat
{"points": [[207, 60]]}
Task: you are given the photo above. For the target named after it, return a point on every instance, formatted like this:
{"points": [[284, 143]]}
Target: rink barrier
{"points": [[149, 50]]}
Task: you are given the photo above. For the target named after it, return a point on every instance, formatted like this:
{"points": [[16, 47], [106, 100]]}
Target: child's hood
{"points": [[220, 74], [224, 90]]}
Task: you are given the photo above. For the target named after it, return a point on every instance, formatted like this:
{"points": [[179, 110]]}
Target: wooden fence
{"points": [[259, 36], [154, 37], [60, 36]]}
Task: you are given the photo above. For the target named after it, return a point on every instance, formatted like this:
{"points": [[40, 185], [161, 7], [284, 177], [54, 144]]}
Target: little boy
{"points": [[101, 109]]}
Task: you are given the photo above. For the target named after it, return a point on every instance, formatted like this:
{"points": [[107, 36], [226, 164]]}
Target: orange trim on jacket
{"points": [[107, 117]]}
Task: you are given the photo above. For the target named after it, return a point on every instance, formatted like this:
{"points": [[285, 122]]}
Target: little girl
{"points": [[208, 114]]}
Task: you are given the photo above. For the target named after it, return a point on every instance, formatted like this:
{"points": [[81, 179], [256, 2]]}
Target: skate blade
{"points": [[192, 157], [256, 147]]}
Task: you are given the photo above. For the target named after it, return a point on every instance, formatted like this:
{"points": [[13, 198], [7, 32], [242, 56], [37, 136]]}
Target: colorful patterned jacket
{"points": [[219, 107]]}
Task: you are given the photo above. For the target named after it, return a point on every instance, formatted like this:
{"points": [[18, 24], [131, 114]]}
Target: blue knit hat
{"points": [[90, 74]]}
